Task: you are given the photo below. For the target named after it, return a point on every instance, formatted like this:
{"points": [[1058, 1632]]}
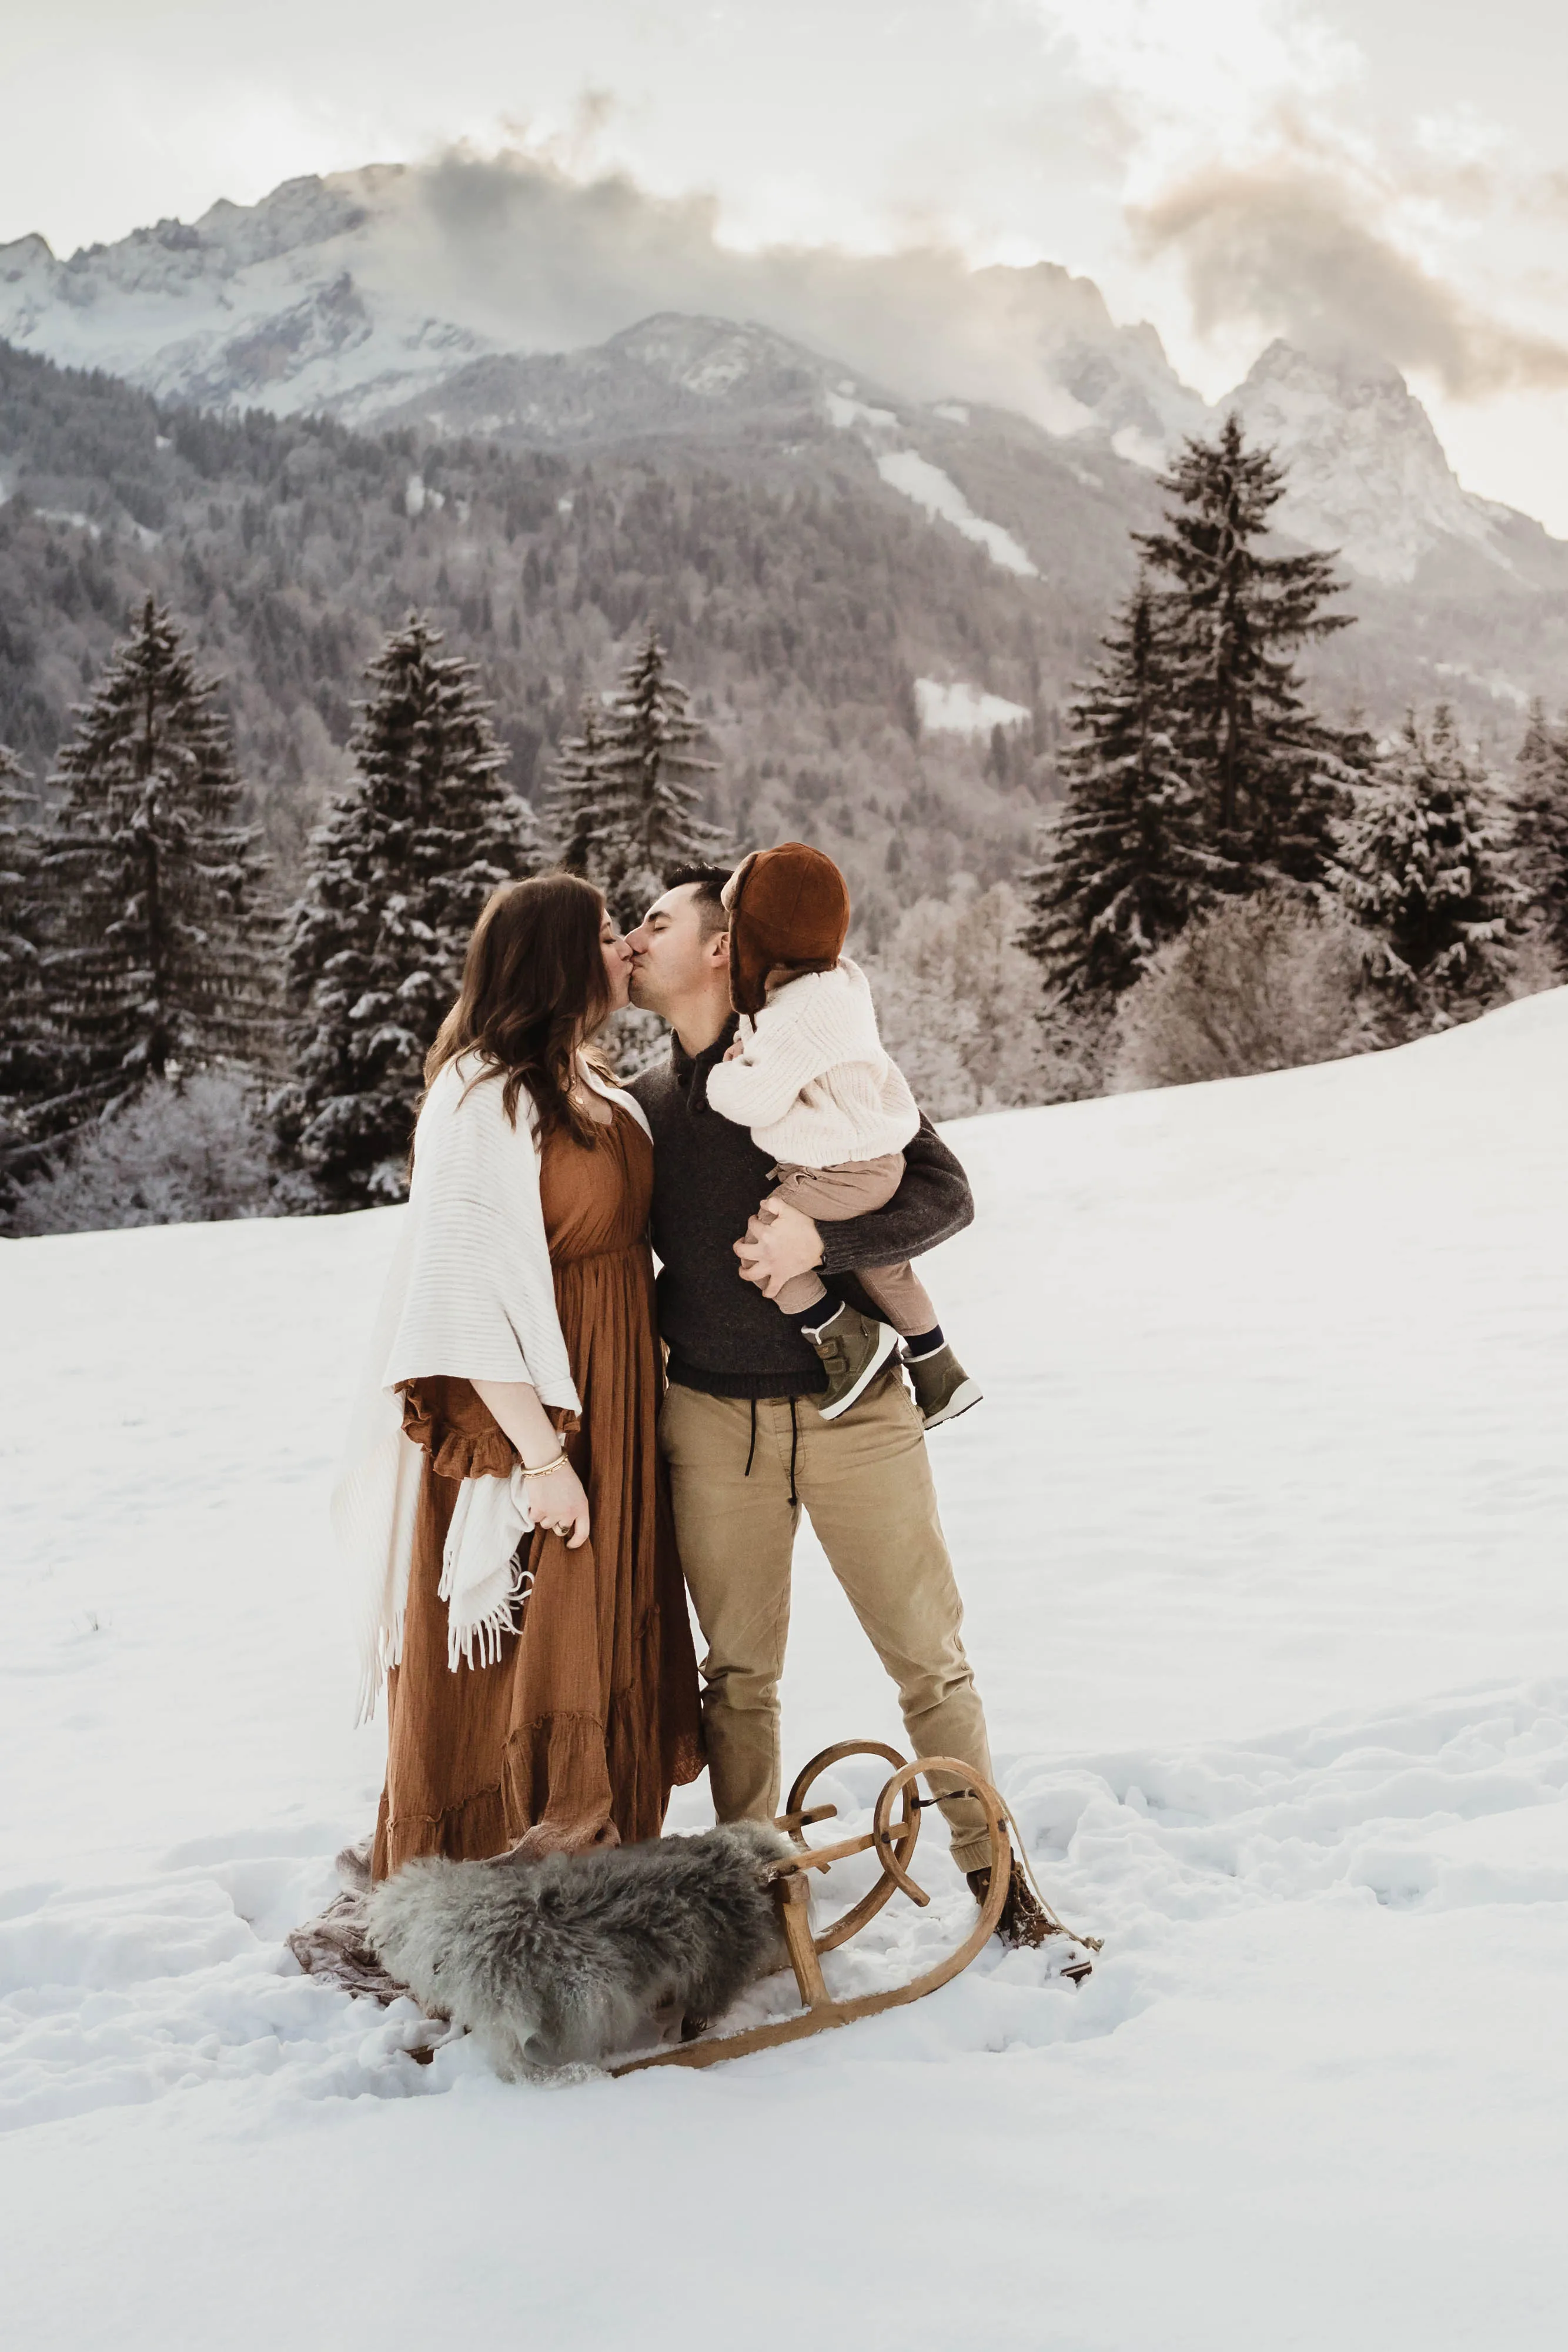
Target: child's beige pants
{"points": [[851, 1189]]}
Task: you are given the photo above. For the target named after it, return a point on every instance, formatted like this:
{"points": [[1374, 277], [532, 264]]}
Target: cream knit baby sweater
{"points": [[811, 1080]]}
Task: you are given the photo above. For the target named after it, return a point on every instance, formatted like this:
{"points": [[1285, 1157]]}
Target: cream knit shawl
{"points": [[812, 1081], [470, 1294]]}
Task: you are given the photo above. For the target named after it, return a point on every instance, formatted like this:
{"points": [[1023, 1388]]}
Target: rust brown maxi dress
{"points": [[576, 1735]]}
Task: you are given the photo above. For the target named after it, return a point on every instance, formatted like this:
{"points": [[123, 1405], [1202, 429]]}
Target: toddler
{"points": [[807, 1074]]}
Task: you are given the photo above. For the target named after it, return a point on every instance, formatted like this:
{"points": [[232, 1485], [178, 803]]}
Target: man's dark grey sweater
{"points": [[723, 1336]]}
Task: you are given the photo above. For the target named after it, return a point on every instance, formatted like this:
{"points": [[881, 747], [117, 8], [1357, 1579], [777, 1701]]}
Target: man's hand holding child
{"points": [[780, 1242]]}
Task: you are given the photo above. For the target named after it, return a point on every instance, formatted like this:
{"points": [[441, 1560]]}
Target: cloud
{"points": [[1298, 251], [1204, 80], [537, 259], [1257, 154]]}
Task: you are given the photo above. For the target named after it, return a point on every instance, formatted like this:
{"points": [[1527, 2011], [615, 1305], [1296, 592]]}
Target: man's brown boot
{"points": [[1023, 1925], [943, 1389]]}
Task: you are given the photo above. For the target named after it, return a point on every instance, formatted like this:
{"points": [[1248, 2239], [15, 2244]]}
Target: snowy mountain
{"points": [[1260, 1534], [294, 303], [813, 406], [352, 293], [1369, 476], [500, 297]]}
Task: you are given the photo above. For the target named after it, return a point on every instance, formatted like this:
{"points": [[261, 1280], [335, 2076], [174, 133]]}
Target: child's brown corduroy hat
{"points": [[786, 906]]}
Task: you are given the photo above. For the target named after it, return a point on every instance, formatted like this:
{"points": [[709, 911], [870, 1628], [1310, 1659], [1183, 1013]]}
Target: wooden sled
{"points": [[892, 1840]]}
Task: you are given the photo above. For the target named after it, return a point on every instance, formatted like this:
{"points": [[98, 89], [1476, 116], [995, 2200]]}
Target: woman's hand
{"points": [[559, 1503], [556, 1501]]}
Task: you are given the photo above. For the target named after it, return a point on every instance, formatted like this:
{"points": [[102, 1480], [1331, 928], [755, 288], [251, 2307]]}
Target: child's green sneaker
{"points": [[853, 1348], [943, 1389]]}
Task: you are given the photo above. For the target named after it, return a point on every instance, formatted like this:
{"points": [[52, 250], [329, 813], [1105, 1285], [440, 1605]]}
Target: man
{"points": [[745, 1443]]}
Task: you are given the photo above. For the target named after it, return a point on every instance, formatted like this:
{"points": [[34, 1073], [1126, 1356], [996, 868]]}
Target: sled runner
{"points": [[892, 1839]]}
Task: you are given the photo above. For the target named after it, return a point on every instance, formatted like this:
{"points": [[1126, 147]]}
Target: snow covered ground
{"points": [[1262, 1533]]}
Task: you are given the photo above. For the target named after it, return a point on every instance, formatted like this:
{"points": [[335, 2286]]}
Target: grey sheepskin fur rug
{"points": [[561, 1961]]}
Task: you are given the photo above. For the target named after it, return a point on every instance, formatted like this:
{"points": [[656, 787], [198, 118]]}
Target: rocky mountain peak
{"points": [[297, 216], [22, 254], [1368, 474]]}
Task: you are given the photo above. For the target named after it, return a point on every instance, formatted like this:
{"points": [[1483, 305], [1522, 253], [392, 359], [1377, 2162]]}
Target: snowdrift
{"points": [[1262, 1532]]}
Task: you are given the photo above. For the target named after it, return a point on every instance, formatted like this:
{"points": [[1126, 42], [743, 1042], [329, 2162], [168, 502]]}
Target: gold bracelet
{"points": [[543, 1469]]}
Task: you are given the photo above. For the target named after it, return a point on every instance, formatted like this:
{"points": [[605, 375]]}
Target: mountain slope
{"points": [[802, 598], [1459, 596]]}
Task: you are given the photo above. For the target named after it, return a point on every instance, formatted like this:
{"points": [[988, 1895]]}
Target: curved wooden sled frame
{"points": [[892, 1842]]}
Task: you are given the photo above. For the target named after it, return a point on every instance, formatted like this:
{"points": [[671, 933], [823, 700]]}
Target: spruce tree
{"points": [[158, 941], [1422, 867], [1272, 777], [395, 879], [18, 903], [1540, 832], [1124, 865], [574, 809], [649, 796], [23, 1063]]}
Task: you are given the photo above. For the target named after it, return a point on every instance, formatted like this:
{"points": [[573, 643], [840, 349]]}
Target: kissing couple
{"points": [[551, 1450]]}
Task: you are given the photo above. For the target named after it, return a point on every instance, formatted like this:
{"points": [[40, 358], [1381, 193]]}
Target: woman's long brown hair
{"points": [[534, 989]]}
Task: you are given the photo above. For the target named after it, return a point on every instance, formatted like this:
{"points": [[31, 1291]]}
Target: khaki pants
{"points": [[851, 1189], [866, 1484]]}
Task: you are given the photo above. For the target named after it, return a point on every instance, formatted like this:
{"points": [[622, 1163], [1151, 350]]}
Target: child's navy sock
{"points": [[805, 1318], [923, 1343]]}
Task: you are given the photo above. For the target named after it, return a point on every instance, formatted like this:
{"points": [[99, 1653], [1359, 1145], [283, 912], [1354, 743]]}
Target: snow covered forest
{"points": [[204, 1018]]}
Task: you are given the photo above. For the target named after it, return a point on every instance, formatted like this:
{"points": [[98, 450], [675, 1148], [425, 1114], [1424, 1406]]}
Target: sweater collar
{"points": [[689, 1067]]}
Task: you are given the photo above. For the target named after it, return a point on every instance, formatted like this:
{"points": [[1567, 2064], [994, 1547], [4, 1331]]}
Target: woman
{"points": [[522, 1590]]}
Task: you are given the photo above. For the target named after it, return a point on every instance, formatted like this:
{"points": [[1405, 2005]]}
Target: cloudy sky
{"points": [[1394, 172]]}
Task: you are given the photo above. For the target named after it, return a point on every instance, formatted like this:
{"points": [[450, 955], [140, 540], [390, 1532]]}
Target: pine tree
{"points": [[1272, 776], [1422, 867], [574, 809], [395, 879], [1124, 867], [23, 1064], [1540, 833], [157, 942], [18, 910], [647, 817]]}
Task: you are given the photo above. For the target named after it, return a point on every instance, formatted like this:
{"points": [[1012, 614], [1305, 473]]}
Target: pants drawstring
{"points": [[794, 1450]]}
